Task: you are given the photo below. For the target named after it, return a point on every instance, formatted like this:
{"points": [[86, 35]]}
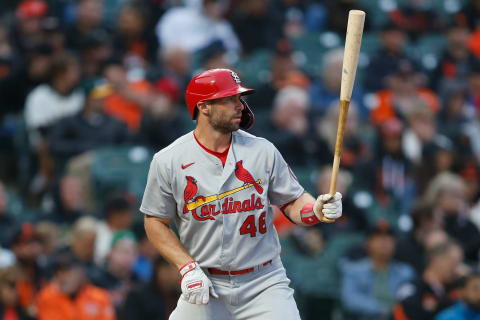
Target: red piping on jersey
{"points": [[220, 155]]}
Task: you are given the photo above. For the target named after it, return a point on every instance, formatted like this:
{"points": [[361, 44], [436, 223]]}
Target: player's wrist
{"points": [[308, 215], [187, 267]]}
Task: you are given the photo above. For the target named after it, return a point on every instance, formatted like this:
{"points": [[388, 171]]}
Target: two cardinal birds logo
{"points": [[241, 173]]}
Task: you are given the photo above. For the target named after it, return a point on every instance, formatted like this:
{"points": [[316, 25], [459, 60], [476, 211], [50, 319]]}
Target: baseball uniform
{"points": [[225, 221]]}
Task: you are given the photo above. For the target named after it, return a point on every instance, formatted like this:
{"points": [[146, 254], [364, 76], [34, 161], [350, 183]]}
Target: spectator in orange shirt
{"points": [[9, 299], [69, 295], [130, 97], [27, 248], [405, 89]]}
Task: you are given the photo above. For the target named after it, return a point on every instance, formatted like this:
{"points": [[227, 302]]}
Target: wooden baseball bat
{"points": [[356, 19]]}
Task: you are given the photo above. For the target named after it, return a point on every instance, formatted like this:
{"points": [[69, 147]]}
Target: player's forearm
{"points": [[294, 208], [165, 241]]}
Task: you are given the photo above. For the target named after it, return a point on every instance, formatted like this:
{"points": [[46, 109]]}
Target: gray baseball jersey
{"points": [[223, 214]]}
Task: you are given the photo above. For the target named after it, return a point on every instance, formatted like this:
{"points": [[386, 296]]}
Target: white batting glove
{"points": [[328, 207], [196, 287]]}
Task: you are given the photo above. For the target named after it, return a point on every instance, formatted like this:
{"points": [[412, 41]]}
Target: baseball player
{"points": [[217, 183]]}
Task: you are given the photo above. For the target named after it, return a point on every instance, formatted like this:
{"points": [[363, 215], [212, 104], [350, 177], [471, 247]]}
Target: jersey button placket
{"points": [[220, 218], [226, 173]]}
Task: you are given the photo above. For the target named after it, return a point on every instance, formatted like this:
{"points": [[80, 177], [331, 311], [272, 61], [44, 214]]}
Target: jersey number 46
{"points": [[248, 226]]}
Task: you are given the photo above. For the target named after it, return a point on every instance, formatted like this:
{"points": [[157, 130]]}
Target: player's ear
{"points": [[203, 108]]}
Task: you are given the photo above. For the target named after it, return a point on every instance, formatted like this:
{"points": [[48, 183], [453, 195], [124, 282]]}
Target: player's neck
{"points": [[213, 140]]}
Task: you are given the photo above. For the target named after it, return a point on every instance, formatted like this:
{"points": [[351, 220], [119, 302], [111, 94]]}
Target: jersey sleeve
{"points": [[284, 186], [158, 199]]}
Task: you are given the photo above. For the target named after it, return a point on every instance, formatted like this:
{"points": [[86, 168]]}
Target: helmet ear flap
{"points": [[248, 118]]}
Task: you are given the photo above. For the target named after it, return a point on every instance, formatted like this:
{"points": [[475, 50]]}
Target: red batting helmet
{"points": [[215, 84]]}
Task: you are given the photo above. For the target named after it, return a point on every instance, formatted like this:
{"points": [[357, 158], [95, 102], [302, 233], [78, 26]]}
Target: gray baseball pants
{"points": [[262, 294]]}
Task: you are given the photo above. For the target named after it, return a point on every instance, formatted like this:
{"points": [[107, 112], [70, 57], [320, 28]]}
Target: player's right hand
{"points": [[328, 207], [196, 287]]}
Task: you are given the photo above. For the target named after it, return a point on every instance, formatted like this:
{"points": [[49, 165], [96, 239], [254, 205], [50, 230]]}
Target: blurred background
{"points": [[91, 89]]}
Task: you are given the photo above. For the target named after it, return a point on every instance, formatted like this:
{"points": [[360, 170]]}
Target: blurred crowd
{"points": [[90, 89]]}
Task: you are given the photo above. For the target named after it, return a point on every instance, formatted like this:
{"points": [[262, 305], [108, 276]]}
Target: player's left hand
{"points": [[196, 287], [328, 208]]}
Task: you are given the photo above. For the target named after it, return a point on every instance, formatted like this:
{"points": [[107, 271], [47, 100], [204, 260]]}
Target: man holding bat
{"points": [[218, 184]]}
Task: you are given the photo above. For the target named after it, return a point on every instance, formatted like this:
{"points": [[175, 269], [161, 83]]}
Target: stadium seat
{"points": [[306, 177], [325, 280], [377, 10], [17, 208], [447, 8], [370, 43], [120, 168], [255, 68], [310, 47], [26, 161], [428, 50]]}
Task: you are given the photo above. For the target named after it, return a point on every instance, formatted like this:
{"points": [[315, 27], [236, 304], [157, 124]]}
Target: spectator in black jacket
{"points": [[255, 17], [117, 276], [81, 246], [88, 20], [432, 292], [388, 174], [470, 14], [69, 201], [156, 299], [447, 193], [411, 248], [290, 128], [469, 306], [384, 62], [456, 60], [27, 31], [162, 123], [6, 221], [133, 38], [89, 129]]}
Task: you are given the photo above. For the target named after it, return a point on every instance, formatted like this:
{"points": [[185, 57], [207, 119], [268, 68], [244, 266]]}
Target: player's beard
{"points": [[221, 123]]}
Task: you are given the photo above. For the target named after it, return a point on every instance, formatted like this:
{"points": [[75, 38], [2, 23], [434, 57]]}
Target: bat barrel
{"points": [[353, 41]]}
